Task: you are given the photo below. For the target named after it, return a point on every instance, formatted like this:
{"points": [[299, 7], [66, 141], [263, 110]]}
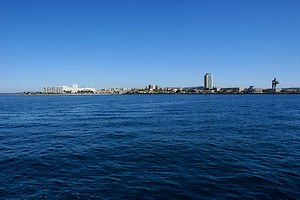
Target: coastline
{"points": [[102, 94]]}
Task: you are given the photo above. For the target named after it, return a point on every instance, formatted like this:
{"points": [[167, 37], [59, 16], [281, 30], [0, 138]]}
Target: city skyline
{"points": [[206, 82], [132, 43], [207, 88]]}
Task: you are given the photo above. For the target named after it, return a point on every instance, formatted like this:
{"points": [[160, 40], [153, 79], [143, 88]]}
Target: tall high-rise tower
{"points": [[208, 81]]}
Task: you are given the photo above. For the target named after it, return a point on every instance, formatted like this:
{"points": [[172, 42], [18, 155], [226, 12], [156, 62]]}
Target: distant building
{"points": [[151, 87], [64, 89], [252, 90], [233, 90], [290, 90], [87, 90], [277, 90], [54, 90], [217, 89], [208, 81], [74, 88]]}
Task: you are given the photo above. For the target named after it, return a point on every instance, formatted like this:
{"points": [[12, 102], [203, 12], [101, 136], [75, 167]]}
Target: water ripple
{"points": [[150, 147]]}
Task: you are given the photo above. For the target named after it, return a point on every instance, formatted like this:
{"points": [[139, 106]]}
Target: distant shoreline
{"points": [[23, 94]]}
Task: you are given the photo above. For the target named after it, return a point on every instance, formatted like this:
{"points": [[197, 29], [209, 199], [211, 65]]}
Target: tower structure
{"points": [[208, 81], [274, 84]]}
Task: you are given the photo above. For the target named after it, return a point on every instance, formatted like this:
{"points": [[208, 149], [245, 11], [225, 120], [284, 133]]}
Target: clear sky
{"points": [[133, 43]]}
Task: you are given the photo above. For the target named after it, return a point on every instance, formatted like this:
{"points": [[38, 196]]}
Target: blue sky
{"points": [[133, 43]]}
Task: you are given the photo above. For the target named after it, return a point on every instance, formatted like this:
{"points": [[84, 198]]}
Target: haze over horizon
{"points": [[133, 43]]}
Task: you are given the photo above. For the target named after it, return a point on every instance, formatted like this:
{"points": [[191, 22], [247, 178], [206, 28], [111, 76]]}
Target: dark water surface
{"points": [[150, 147]]}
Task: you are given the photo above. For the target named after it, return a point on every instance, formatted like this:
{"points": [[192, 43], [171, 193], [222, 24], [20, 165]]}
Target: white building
{"points": [[208, 81], [55, 89], [65, 89], [74, 88], [87, 90]]}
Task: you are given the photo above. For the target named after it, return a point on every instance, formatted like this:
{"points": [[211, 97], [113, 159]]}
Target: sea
{"points": [[150, 147]]}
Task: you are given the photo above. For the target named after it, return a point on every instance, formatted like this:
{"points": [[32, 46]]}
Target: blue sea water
{"points": [[150, 147]]}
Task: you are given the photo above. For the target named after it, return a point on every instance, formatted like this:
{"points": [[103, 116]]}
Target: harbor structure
{"points": [[208, 81], [274, 84], [232, 90], [274, 87], [252, 90]]}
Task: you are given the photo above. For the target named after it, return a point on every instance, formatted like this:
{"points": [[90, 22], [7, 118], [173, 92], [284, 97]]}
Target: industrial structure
{"points": [[274, 84]]}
